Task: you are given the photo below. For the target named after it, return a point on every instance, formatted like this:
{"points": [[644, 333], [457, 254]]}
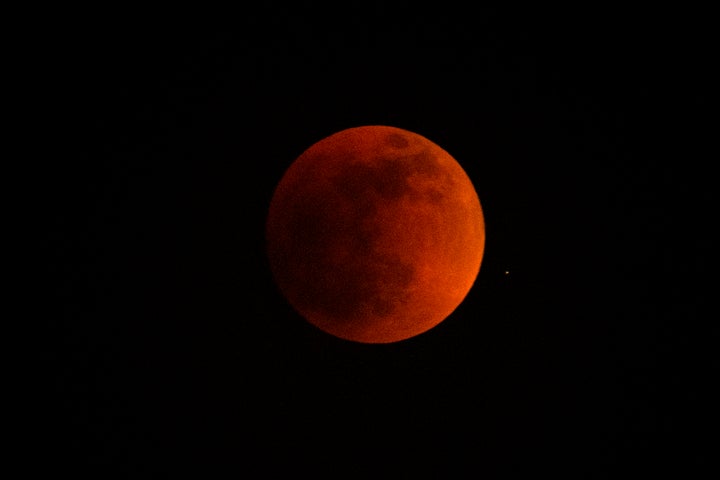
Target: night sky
{"points": [[175, 354]]}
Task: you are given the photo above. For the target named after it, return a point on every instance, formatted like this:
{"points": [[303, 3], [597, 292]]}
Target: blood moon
{"points": [[375, 234]]}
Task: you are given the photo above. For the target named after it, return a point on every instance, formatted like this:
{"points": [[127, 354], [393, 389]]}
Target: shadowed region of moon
{"points": [[375, 234]]}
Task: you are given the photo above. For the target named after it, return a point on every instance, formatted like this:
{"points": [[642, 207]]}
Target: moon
{"points": [[375, 234]]}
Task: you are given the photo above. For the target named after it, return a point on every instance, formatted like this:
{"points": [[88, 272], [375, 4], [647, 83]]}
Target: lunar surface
{"points": [[375, 234]]}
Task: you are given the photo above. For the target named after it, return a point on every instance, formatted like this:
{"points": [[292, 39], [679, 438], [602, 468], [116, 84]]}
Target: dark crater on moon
{"points": [[397, 140]]}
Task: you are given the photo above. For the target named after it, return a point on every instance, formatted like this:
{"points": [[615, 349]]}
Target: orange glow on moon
{"points": [[375, 234]]}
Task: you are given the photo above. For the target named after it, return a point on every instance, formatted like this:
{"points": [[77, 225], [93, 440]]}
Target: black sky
{"points": [[583, 133]]}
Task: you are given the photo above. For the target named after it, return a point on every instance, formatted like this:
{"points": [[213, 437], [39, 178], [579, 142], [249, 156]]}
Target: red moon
{"points": [[375, 234]]}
